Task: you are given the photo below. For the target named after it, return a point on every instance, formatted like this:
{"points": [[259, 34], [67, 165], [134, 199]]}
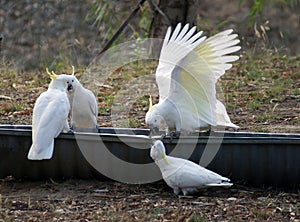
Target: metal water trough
{"points": [[256, 159]]}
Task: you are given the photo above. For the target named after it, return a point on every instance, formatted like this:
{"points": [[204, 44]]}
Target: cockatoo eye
{"points": [[72, 80], [68, 82]]}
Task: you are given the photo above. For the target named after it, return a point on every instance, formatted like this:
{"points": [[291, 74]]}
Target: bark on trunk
{"points": [[184, 11]]}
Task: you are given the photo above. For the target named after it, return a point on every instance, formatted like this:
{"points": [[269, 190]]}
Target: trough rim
{"points": [[226, 136]]}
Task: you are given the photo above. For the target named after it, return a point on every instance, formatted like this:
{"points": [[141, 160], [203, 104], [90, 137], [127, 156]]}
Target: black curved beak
{"points": [[70, 87], [153, 129]]}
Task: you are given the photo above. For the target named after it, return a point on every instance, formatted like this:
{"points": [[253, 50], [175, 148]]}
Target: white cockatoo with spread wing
{"points": [[189, 66], [183, 175], [50, 116], [84, 106]]}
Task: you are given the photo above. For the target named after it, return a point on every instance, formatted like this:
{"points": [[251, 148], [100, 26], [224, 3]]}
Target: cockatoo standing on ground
{"points": [[184, 175], [84, 107], [50, 116], [188, 69]]}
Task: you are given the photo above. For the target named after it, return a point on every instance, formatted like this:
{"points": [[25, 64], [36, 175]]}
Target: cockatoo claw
{"points": [[70, 131], [163, 136], [170, 135], [175, 135]]}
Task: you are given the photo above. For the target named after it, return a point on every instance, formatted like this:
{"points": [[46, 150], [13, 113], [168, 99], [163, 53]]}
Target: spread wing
{"points": [[174, 49], [194, 77]]}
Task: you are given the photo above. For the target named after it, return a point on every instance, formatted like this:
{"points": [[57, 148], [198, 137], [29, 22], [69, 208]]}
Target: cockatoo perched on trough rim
{"points": [[188, 69], [184, 175], [50, 116], [84, 107]]}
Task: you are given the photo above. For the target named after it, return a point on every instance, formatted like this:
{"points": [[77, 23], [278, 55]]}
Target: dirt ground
{"points": [[78, 200]]}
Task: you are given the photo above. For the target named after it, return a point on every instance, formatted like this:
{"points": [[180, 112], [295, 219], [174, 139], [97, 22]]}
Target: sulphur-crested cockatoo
{"points": [[188, 69], [184, 175], [84, 107], [50, 116]]}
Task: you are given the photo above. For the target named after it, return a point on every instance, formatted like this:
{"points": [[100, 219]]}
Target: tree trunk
{"points": [[184, 11]]}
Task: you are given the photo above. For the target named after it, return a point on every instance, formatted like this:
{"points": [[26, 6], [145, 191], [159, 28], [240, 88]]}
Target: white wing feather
{"points": [[174, 49], [194, 77], [50, 114], [84, 108], [186, 174]]}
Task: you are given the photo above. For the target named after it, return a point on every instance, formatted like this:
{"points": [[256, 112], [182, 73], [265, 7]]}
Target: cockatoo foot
{"points": [[70, 131], [175, 135], [176, 191], [207, 129], [236, 129], [207, 132], [164, 135]]}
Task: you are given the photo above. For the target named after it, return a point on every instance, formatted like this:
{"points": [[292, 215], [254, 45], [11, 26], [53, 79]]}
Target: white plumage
{"points": [[50, 116], [189, 67], [84, 107], [184, 175]]}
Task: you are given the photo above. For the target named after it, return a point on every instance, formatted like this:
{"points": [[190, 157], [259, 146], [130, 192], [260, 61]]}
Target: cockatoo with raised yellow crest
{"points": [[183, 175], [189, 66], [50, 116], [84, 107]]}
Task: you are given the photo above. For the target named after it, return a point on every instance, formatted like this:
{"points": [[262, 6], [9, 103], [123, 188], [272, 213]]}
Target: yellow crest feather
{"points": [[163, 155], [51, 74], [73, 68], [150, 103]]}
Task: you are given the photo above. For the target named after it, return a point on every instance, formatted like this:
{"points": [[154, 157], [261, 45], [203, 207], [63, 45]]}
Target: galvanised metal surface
{"points": [[256, 159]]}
